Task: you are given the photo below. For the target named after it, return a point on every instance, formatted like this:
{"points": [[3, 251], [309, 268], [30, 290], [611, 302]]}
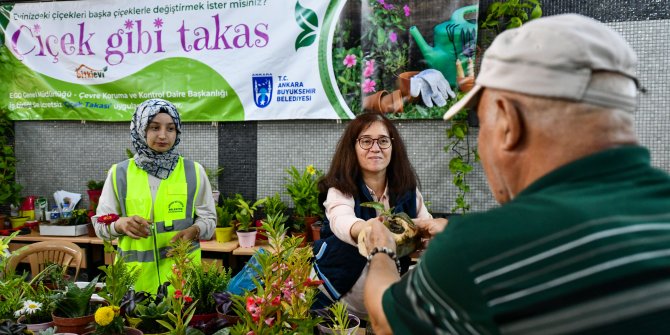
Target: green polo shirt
{"points": [[586, 248]]}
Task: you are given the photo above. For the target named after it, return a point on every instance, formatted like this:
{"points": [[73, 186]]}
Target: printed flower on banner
{"points": [[388, 6], [350, 60], [369, 85], [393, 37], [128, 24], [406, 9], [369, 68], [37, 28], [158, 22]]}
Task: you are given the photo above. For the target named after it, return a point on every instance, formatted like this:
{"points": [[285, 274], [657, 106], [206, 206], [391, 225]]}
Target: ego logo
{"points": [[262, 86], [176, 207], [87, 72]]}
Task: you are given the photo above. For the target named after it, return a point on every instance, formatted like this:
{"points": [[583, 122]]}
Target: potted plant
{"points": [[37, 303], [246, 233], [143, 310], [302, 187], [212, 176], [206, 279], [272, 207], [284, 290], [9, 188], [73, 312], [224, 308], [225, 219], [404, 231], [298, 227], [10, 327], [337, 320]]}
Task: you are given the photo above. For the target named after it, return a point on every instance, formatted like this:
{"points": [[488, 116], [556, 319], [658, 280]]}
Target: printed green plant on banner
{"points": [[309, 22]]}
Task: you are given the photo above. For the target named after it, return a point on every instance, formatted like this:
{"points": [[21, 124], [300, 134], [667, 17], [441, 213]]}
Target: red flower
{"points": [[309, 282], [188, 299], [178, 294], [276, 301], [108, 219]]}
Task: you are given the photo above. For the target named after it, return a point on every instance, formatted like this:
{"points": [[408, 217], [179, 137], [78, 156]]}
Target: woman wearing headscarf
{"points": [[159, 196]]}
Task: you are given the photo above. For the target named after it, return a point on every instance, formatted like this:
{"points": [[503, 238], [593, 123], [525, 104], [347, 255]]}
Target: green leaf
{"points": [[514, 22], [305, 39], [305, 17], [536, 13], [309, 22]]}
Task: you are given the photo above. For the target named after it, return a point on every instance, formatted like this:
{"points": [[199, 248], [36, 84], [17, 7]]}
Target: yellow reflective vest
{"points": [[173, 211]]}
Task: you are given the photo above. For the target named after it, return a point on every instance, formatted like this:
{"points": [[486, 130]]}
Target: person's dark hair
{"points": [[345, 172]]}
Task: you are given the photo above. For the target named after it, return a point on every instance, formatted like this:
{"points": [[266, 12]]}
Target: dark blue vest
{"points": [[338, 263]]}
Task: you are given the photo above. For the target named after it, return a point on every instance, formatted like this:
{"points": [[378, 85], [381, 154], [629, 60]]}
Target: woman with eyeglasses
{"points": [[370, 164]]}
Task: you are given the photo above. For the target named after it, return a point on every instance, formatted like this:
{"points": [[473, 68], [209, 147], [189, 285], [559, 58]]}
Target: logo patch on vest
{"points": [[176, 207]]}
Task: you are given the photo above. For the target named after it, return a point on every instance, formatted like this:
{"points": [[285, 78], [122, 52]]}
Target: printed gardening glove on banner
{"points": [[432, 86]]}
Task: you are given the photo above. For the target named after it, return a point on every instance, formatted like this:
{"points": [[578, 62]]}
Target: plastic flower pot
{"points": [[224, 234], [247, 239], [18, 221]]}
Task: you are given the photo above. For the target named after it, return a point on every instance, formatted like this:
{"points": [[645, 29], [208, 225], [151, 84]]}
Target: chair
{"points": [[41, 253]]}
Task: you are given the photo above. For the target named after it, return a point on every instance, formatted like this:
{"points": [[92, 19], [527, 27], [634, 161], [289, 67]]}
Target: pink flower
{"points": [[270, 321], [406, 9], [393, 36], [369, 68], [369, 86], [388, 6], [381, 2], [350, 60]]}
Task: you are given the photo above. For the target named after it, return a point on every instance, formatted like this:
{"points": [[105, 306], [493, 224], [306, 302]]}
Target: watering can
{"points": [[455, 38]]}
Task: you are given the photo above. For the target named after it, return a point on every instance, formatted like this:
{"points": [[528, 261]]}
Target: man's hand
{"points": [[190, 234], [431, 227], [133, 226], [432, 86], [379, 236]]}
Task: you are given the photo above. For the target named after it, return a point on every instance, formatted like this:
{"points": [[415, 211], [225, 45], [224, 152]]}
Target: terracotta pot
{"points": [[79, 325], [204, 318], [392, 103], [404, 84], [301, 235], [247, 238], [316, 230], [373, 102], [465, 84]]}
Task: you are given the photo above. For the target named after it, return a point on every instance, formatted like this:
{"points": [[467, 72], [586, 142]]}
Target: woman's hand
{"points": [[133, 226], [431, 227]]}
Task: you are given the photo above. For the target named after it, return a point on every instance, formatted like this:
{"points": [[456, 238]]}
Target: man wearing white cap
{"points": [[581, 242]]}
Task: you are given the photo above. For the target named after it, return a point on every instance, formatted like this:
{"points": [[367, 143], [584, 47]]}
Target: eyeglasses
{"points": [[384, 142]]}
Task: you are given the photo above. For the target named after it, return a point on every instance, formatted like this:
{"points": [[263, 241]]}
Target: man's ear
{"points": [[509, 123]]}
